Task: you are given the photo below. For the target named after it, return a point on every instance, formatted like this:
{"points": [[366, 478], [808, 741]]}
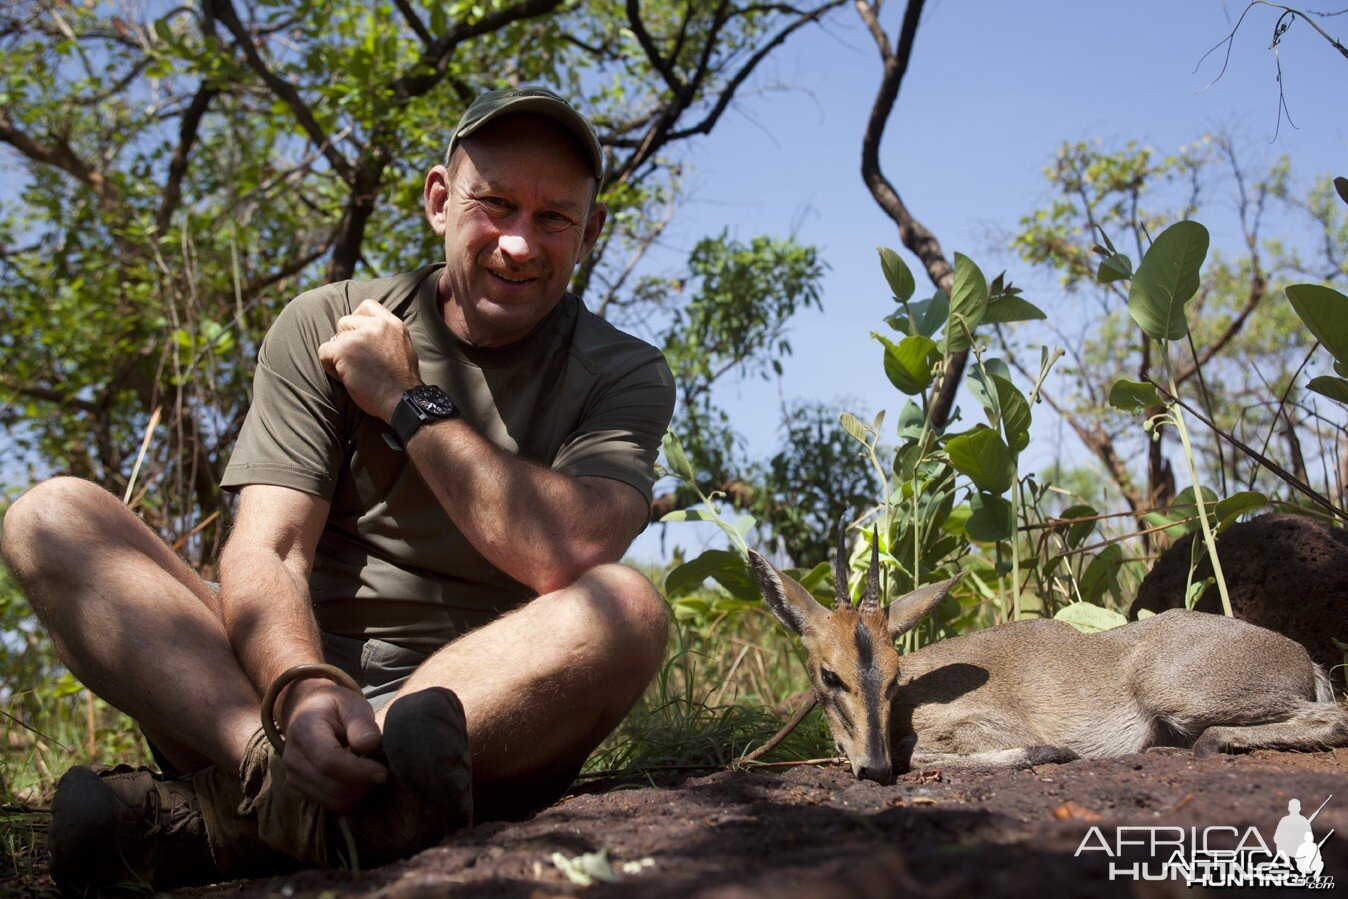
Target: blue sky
{"points": [[993, 88]]}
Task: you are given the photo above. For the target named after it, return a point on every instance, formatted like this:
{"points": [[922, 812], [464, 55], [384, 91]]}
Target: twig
{"points": [[805, 709], [1268, 463]]}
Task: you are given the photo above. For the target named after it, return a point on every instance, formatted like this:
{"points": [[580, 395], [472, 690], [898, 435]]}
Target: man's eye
{"points": [[496, 202]]}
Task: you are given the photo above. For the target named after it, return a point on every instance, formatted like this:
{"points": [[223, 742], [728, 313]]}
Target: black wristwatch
{"points": [[418, 406]]}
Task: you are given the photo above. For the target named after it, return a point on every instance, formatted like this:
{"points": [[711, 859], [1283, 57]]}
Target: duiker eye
{"points": [[832, 681]]}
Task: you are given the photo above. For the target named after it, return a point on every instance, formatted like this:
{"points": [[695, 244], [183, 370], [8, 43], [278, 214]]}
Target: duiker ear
{"points": [[908, 610], [790, 602]]}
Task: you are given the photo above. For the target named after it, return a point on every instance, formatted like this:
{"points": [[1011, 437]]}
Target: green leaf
{"points": [[1015, 414], [1325, 313], [852, 425], [897, 274], [931, 314], [1011, 309], [1196, 591], [1166, 279], [689, 576], [1078, 532], [1334, 388], [911, 418], [990, 519], [968, 302], [1102, 573], [1089, 618], [66, 685], [908, 363], [1133, 396], [1237, 504], [984, 458], [1116, 267]]}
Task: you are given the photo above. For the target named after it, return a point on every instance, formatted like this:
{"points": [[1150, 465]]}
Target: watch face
{"points": [[433, 400]]}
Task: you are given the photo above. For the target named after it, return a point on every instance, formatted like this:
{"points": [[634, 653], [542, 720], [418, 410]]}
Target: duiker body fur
{"points": [[1037, 691]]}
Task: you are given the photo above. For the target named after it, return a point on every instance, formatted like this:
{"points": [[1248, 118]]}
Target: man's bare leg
{"points": [[131, 620], [542, 686]]}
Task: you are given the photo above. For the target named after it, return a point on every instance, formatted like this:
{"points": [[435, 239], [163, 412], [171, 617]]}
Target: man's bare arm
{"points": [[542, 527], [268, 612]]}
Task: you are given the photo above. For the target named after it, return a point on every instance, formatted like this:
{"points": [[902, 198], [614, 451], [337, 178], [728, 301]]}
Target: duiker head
{"points": [[851, 656]]}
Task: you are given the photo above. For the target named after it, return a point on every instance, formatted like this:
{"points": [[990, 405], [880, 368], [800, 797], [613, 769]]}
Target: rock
{"points": [[1288, 573]]}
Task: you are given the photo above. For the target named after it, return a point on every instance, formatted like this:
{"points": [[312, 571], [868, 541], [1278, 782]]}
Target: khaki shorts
{"points": [[380, 669]]}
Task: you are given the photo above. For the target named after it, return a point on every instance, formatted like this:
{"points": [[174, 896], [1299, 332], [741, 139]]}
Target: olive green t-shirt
{"points": [[577, 395]]}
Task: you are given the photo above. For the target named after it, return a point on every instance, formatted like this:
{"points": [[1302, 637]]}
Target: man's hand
{"points": [[372, 355], [327, 729]]}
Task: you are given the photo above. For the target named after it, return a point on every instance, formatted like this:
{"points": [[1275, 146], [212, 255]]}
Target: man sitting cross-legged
{"points": [[436, 478]]}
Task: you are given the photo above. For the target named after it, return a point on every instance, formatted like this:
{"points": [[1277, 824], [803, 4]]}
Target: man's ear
{"points": [[789, 601], [908, 610], [594, 224], [434, 196]]}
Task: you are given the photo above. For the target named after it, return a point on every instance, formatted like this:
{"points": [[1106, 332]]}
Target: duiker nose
{"points": [[881, 774]]}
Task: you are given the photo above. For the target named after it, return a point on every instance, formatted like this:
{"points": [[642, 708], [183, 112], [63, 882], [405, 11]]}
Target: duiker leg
{"points": [[1020, 757], [1315, 726]]}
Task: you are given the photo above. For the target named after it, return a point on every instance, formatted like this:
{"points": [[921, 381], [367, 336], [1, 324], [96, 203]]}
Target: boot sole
{"points": [[426, 743], [82, 840]]}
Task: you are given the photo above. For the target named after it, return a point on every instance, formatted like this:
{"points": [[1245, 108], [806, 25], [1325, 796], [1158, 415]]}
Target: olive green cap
{"points": [[537, 101]]}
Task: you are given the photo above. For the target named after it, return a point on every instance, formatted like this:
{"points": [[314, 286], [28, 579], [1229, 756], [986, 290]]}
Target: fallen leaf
{"points": [[1072, 811]]}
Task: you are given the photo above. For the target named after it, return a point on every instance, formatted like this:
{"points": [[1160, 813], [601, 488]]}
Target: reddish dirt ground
{"points": [[818, 832]]}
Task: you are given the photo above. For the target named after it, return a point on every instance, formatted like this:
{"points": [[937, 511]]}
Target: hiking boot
{"points": [[258, 818], [125, 825]]}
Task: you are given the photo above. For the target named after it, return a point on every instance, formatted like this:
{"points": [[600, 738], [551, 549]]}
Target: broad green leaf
{"points": [[690, 514], [911, 419], [908, 363], [815, 578], [958, 519], [1011, 309], [931, 314], [990, 519], [987, 398], [852, 425], [690, 575], [1166, 279], [1237, 504], [984, 457], [1116, 267], [968, 302], [1101, 574], [897, 274], [1334, 388], [1089, 618], [1325, 313], [1133, 396]]}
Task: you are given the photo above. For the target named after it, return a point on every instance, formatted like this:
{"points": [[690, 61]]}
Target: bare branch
{"points": [[187, 136], [913, 233], [224, 11]]}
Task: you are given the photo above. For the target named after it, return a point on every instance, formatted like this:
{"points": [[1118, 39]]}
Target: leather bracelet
{"points": [[288, 677]]}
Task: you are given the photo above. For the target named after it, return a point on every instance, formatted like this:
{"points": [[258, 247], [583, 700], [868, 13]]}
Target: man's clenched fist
{"points": [[372, 355]]}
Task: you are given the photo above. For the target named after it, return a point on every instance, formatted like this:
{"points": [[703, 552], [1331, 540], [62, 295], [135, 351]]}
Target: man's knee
{"points": [[45, 518], [630, 611]]}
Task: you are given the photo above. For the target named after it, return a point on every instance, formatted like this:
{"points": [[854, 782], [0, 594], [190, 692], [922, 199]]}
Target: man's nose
{"points": [[517, 246]]}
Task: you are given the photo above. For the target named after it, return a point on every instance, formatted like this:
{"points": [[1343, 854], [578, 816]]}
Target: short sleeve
{"points": [[292, 435], [620, 433]]}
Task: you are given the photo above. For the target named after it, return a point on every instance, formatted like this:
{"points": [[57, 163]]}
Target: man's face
{"points": [[517, 215]]}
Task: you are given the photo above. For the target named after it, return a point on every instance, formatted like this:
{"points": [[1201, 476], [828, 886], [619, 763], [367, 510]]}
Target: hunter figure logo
{"points": [[1201, 857]]}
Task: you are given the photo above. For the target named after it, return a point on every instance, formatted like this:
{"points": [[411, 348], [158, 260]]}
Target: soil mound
{"points": [[1288, 573]]}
